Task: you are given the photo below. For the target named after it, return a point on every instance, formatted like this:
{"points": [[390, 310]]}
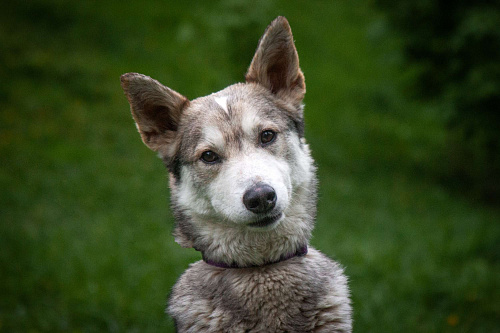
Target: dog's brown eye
{"points": [[267, 137], [209, 157]]}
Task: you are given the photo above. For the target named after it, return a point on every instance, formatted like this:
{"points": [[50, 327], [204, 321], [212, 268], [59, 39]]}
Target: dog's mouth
{"points": [[267, 221]]}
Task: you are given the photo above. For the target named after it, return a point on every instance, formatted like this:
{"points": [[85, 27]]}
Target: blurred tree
{"points": [[454, 48]]}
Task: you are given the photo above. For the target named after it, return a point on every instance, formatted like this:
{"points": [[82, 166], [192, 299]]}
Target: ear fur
{"points": [[156, 110], [275, 64]]}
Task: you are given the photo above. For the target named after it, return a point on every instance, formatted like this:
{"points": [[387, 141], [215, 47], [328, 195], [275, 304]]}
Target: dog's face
{"points": [[240, 169], [241, 157]]}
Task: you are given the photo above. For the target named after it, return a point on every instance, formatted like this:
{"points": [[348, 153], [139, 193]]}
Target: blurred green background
{"points": [[85, 242]]}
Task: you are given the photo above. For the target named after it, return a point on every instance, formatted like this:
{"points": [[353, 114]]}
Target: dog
{"points": [[243, 193]]}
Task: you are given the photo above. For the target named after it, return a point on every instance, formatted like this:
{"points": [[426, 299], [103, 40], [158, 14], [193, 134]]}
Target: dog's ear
{"points": [[275, 64], [156, 110]]}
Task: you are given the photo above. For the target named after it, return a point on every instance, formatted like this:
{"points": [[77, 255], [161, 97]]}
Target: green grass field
{"points": [[85, 242]]}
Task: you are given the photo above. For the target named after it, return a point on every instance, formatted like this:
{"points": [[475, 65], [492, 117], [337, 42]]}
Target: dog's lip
{"points": [[266, 221]]}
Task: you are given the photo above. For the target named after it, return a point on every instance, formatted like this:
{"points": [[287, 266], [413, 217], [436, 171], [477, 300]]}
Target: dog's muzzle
{"points": [[260, 198]]}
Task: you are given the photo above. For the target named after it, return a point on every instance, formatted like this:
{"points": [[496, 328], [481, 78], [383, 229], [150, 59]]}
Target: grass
{"points": [[84, 221]]}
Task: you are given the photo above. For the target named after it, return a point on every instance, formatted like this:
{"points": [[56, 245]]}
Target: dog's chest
{"points": [[278, 298], [277, 293]]}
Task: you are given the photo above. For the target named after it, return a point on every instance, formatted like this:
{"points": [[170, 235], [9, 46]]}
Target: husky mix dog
{"points": [[243, 192]]}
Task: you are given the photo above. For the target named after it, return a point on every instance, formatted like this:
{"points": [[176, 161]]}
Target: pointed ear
{"points": [[156, 110], [275, 64]]}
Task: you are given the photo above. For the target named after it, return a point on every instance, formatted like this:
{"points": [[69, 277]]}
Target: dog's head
{"points": [[241, 176]]}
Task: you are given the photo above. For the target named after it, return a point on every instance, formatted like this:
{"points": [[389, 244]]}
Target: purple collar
{"points": [[302, 251]]}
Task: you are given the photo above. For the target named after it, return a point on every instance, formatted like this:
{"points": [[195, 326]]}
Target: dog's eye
{"points": [[209, 157], [267, 136]]}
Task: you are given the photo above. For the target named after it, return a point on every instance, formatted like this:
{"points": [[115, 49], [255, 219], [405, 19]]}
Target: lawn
{"points": [[85, 227]]}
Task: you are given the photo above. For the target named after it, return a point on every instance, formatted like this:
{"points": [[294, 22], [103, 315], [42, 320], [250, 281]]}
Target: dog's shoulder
{"points": [[333, 309], [200, 301]]}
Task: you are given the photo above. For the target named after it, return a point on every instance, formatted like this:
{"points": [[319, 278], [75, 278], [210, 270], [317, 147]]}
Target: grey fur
{"points": [[301, 294]]}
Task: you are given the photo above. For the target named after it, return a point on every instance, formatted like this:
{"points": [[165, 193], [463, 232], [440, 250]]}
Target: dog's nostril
{"points": [[260, 198], [271, 196], [253, 203]]}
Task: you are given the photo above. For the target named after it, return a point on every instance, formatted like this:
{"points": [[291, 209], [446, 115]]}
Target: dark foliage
{"points": [[454, 46]]}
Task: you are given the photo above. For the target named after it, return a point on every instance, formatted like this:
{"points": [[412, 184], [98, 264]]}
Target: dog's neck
{"points": [[239, 246], [230, 245], [302, 251]]}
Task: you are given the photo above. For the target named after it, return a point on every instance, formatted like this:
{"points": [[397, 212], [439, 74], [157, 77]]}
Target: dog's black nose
{"points": [[260, 198]]}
